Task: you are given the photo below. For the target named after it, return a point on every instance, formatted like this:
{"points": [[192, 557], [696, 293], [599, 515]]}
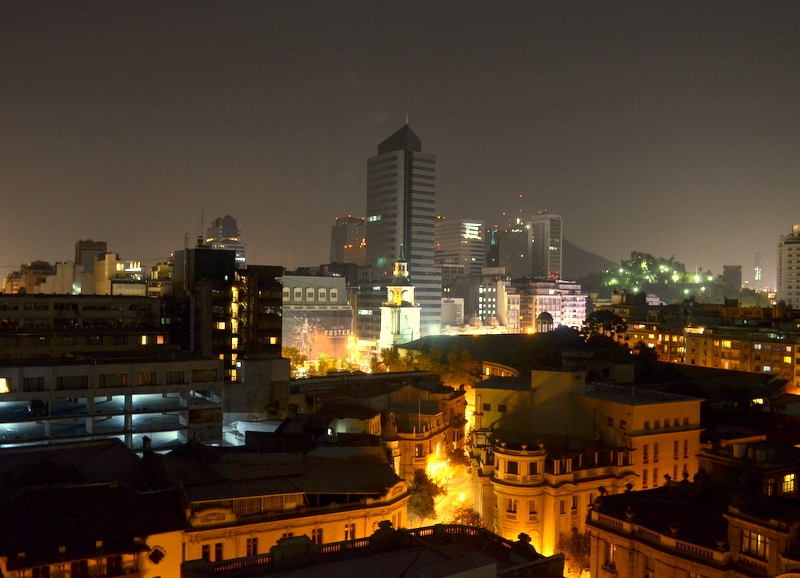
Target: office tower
{"points": [[732, 275], [789, 268], [757, 271], [545, 239], [401, 215], [224, 235], [87, 251], [510, 249], [459, 247], [347, 241]]}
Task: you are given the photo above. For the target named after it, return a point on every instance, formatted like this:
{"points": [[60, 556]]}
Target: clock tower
{"points": [[400, 315]]}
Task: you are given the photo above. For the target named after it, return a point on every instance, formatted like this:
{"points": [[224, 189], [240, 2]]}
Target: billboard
{"points": [[315, 332]]}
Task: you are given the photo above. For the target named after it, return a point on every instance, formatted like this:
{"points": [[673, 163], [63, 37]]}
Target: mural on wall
{"points": [[316, 333]]}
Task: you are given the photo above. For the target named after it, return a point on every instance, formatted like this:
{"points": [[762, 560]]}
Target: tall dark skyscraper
{"points": [[401, 212], [546, 245]]}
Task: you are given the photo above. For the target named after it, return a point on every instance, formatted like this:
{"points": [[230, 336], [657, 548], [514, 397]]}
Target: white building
{"points": [[400, 314]]}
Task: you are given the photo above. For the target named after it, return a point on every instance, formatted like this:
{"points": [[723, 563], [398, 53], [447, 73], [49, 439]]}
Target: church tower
{"points": [[400, 314]]}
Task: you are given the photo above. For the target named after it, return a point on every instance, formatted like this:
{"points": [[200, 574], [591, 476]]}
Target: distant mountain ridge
{"points": [[579, 263]]}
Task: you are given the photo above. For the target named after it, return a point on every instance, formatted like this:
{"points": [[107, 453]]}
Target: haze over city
{"points": [[669, 128]]}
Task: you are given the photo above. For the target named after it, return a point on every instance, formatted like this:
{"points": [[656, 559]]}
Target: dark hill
{"points": [[579, 263]]}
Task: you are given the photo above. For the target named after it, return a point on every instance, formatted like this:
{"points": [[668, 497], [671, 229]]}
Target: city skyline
{"points": [[669, 129]]}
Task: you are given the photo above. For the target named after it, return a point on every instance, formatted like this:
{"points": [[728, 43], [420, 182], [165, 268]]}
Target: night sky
{"points": [[667, 127]]}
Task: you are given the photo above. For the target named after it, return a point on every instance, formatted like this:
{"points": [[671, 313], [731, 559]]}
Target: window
{"points": [[487, 407], [685, 448], [252, 546], [287, 535], [316, 536], [113, 380], [114, 565], [655, 477], [686, 421], [574, 503], [512, 467], [298, 294], [349, 531], [175, 377], [610, 421], [623, 424], [609, 555], [147, 378], [644, 478], [675, 450], [787, 487], [562, 507], [66, 382], [206, 555], [204, 375], [533, 469], [647, 425], [645, 457], [657, 424], [532, 513], [501, 408], [419, 451], [655, 452], [218, 552], [755, 544], [769, 487], [33, 384], [666, 422], [310, 295], [334, 295]]}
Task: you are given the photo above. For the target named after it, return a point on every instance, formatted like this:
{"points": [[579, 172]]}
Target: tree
{"points": [[576, 548], [296, 359], [423, 491], [461, 369], [464, 514], [604, 322]]}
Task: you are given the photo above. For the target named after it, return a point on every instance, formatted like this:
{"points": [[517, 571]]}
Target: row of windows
{"points": [[67, 382], [675, 451], [656, 482], [320, 295], [501, 407]]}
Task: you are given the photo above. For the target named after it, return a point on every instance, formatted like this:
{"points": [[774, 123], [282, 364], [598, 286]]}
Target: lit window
{"points": [[273, 340], [788, 484], [755, 544], [4, 385], [221, 325]]}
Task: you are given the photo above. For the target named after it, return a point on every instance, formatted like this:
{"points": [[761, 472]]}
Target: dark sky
{"points": [[667, 127]]}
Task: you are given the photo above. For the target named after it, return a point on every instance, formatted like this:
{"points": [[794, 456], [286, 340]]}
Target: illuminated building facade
{"points": [[282, 495], [114, 277], [593, 435], [401, 213], [224, 234], [745, 349], [546, 245], [317, 319], [59, 400], [459, 247], [348, 244], [564, 300], [680, 530], [789, 268], [489, 297]]}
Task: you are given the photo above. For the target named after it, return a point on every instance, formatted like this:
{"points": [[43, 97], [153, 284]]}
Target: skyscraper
{"points": [[545, 240], [459, 247], [347, 240], [789, 268], [401, 212], [757, 271], [223, 234]]}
